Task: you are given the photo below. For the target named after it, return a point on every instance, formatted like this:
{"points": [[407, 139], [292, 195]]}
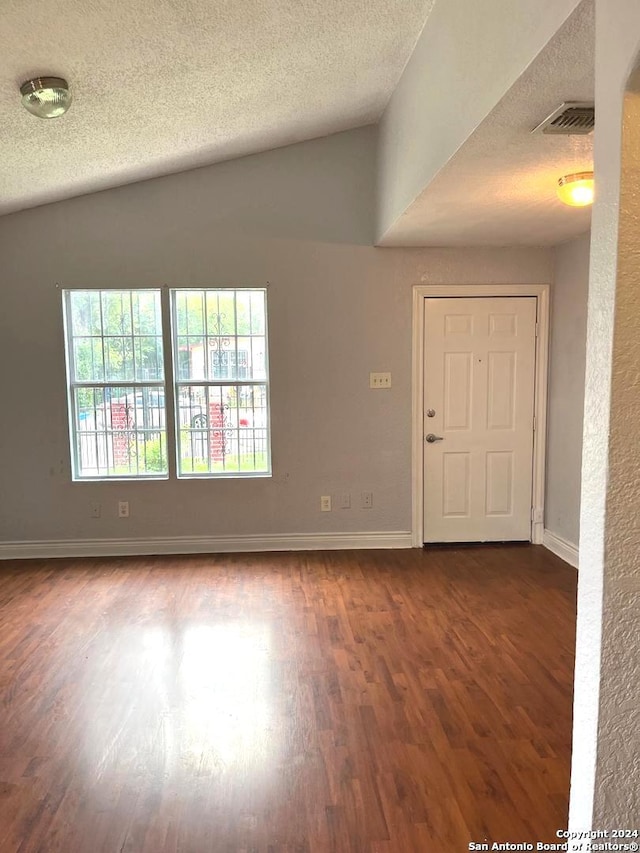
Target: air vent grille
{"points": [[570, 118]]}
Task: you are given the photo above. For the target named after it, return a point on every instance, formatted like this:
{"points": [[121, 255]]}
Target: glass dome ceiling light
{"points": [[576, 190], [46, 97]]}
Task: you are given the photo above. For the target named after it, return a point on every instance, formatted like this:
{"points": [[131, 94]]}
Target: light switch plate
{"points": [[379, 380]]}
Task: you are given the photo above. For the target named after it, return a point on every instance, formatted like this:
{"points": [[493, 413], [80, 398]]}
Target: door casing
{"points": [[421, 292]]}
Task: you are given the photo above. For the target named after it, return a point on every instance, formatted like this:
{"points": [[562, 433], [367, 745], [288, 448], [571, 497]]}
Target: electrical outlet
{"points": [[379, 380], [325, 503], [123, 509], [96, 510], [345, 501], [366, 500]]}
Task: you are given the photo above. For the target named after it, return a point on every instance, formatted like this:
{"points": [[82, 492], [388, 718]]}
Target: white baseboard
{"points": [[203, 544], [567, 551]]}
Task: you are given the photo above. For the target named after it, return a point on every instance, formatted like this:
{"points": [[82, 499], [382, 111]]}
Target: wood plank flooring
{"points": [[366, 701]]}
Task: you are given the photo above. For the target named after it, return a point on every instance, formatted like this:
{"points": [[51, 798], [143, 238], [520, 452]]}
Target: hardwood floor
{"points": [[367, 701]]}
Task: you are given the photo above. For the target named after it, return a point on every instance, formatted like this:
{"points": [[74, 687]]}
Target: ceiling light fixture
{"points": [[46, 97], [576, 190]]}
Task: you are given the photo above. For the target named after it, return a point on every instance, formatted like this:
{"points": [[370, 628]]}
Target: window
{"points": [[229, 363], [115, 365], [116, 376], [221, 393]]}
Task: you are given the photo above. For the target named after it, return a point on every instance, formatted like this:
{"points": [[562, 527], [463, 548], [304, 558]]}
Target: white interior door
{"points": [[479, 385]]}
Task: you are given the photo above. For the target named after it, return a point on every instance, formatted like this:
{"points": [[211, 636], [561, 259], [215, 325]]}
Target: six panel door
{"points": [[479, 381]]}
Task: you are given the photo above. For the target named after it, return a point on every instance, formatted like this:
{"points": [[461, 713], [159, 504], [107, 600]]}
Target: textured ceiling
{"points": [[165, 85], [500, 187]]}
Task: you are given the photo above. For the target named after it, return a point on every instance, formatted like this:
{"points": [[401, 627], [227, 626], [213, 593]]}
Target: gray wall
{"points": [[300, 218], [566, 388]]}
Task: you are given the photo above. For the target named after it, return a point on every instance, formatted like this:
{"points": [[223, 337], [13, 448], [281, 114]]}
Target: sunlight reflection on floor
{"points": [[204, 701]]}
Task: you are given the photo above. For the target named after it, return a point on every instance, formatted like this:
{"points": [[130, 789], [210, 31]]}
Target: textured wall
{"points": [[606, 750], [566, 388], [300, 218], [468, 56], [617, 789]]}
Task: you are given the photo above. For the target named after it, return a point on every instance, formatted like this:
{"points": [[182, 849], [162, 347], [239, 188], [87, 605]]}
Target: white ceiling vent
{"points": [[572, 117]]}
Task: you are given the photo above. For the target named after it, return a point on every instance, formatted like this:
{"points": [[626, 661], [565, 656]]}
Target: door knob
{"points": [[431, 438]]}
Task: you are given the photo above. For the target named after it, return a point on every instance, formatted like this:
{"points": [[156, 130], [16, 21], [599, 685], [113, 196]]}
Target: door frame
{"points": [[424, 291]]}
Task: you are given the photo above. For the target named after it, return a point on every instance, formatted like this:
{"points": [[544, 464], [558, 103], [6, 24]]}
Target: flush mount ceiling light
{"points": [[576, 190], [46, 97]]}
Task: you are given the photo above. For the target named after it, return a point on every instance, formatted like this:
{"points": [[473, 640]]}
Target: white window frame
{"points": [[73, 385], [171, 367], [178, 384]]}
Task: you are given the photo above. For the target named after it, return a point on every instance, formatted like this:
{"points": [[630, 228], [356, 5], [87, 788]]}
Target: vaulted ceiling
{"points": [[161, 86], [165, 85]]}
